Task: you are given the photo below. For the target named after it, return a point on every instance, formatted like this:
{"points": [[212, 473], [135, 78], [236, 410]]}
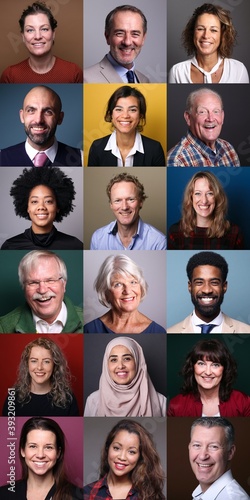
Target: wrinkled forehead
{"points": [[43, 266], [208, 101], [42, 98]]}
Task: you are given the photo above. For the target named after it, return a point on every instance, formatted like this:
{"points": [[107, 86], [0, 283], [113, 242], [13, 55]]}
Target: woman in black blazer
{"points": [[126, 147]]}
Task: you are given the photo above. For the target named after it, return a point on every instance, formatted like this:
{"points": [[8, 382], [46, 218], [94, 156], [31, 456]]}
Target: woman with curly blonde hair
{"points": [[43, 384], [130, 466], [209, 37], [204, 224]]}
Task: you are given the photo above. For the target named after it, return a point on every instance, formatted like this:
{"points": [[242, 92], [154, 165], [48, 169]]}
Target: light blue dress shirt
{"points": [[146, 238]]}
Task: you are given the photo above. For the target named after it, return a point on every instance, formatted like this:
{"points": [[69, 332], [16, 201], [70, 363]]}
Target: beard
{"points": [[40, 139], [208, 311]]}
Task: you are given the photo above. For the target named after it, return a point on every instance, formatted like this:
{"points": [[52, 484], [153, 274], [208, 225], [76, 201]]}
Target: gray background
{"points": [[152, 59], [11, 101], [96, 430], [11, 224], [97, 211], [236, 300], [153, 265], [236, 127], [178, 14], [154, 348]]}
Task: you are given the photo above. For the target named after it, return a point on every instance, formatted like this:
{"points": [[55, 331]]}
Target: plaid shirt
{"points": [[191, 152], [232, 240], [99, 491]]}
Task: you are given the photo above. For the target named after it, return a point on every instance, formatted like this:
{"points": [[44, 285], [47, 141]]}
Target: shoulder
{"points": [[100, 143], [12, 73], [238, 326], [94, 326], [91, 404], [183, 326], [148, 142], [11, 319], [180, 72], [143, 78], [154, 328], [69, 242], [235, 72]]}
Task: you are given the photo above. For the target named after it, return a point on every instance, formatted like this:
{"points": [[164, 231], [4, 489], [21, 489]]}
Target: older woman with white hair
{"points": [[120, 285], [125, 387]]}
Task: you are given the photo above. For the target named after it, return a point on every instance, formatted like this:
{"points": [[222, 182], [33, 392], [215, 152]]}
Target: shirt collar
{"points": [[121, 70], [60, 320], [216, 321], [206, 148], [50, 152], [114, 228], [111, 145], [214, 489]]}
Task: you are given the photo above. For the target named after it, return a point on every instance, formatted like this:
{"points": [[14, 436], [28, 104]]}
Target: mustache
{"points": [[39, 296]]}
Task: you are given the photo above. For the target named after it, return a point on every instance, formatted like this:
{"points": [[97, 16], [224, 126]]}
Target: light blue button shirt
{"points": [[146, 238]]}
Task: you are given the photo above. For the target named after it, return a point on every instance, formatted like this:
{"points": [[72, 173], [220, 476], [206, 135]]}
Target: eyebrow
{"points": [[46, 196], [120, 444], [116, 355]]}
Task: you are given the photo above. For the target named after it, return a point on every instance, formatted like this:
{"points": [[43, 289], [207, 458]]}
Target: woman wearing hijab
{"points": [[125, 387]]}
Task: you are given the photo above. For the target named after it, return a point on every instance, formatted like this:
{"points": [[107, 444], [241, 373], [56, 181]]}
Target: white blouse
{"points": [[233, 72]]}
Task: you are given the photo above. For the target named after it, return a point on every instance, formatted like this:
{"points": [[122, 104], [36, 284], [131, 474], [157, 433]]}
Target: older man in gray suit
{"points": [[125, 33]]}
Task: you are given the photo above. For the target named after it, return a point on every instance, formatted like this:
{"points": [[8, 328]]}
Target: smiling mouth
{"points": [[44, 299], [204, 466], [206, 300], [120, 466]]}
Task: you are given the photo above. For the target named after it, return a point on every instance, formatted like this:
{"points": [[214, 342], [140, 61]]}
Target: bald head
{"points": [[41, 113]]}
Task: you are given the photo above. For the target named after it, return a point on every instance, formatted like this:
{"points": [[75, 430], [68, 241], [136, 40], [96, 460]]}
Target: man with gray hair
{"points": [[201, 146], [211, 450], [43, 277], [125, 33]]}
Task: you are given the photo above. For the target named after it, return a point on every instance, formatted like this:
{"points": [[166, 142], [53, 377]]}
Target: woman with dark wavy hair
{"points": [[126, 147], [43, 385], [43, 195], [41, 452], [204, 224], [130, 466], [209, 37], [209, 373]]}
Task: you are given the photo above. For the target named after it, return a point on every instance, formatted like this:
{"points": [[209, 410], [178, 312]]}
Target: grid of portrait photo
{"points": [[125, 250]]}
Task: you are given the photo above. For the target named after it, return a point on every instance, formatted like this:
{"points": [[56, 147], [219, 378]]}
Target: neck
{"points": [[40, 388], [203, 221], [42, 64], [125, 140], [208, 395], [126, 232], [113, 480], [207, 62], [41, 230], [35, 482]]}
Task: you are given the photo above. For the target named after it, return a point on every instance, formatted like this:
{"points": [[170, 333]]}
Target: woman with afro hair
{"points": [[43, 195]]}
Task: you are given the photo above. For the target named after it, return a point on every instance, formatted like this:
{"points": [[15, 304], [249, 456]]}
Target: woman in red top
{"points": [[209, 373], [38, 26]]}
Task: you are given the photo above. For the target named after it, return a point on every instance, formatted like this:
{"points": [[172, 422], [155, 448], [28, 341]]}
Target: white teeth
{"points": [[206, 299], [43, 299], [204, 465]]}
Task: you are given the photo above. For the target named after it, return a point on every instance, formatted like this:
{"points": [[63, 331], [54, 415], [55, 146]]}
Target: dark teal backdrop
{"points": [[12, 294], [178, 346]]}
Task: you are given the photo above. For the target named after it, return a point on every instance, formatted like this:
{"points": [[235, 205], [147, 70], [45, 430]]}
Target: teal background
{"points": [[11, 293]]}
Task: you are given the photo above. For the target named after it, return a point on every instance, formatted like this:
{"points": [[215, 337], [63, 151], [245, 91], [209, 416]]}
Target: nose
{"points": [[38, 34], [207, 288], [125, 290], [203, 197], [120, 363], [124, 205], [42, 287], [127, 39], [208, 370], [122, 455], [40, 453], [203, 453]]}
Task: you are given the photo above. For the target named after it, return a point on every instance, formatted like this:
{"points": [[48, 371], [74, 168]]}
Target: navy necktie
{"points": [[130, 76], [206, 328]]}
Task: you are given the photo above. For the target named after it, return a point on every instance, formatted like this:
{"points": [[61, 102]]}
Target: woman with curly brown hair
{"points": [[41, 453], [209, 37], [43, 195], [209, 373], [130, 466], [43, 384], [204, 224]]}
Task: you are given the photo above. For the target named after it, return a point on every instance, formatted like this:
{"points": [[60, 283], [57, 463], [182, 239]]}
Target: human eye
{"points": [[48, 112], [30, 110], [198, 282], [128, 358], [133, 110], [50, 281], [200, 363], [50, 202], [134, 282], [213, 447], [33, 202], [196, 446], [119, 33], [216, 365], [118, 109], [197, 193], [49, 447], [201, 112], [132, 452], [115, 447], [33, 283], [135, 33], [210, 193], [117, 284], [29, 30]]}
